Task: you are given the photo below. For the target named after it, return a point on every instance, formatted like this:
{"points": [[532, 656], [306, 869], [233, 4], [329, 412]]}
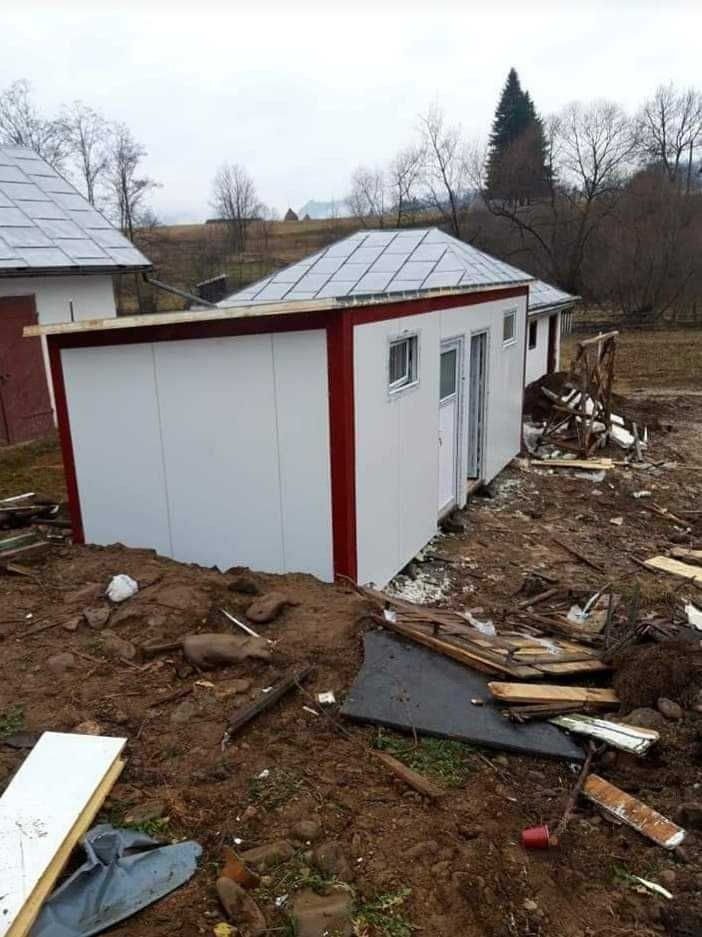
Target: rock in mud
{"points": [[306, 831], [670, 709], [97, 615], [263, 857], [116, 647], [331, 860], [213, 649], [240, 908], [89, 727], [268, 607], [689, 815], [645, 718], [245, 585], [320, 915], [61, 663]]}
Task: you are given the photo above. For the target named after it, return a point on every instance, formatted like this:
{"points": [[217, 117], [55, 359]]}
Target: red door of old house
{"points": [[25, 406]]}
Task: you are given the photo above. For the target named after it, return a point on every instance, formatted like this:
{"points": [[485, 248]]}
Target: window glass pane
{"points": [[508, 327], [447, 383], [532, 334], [399, 362]]}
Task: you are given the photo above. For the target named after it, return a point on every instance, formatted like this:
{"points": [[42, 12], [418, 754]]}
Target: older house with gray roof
{"points": [[58, 257], [322, 420], [548, 307]]}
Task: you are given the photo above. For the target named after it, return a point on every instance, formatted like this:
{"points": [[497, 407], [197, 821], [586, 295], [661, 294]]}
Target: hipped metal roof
{"points": [[47, 226], [543, 296], [379, 263]]}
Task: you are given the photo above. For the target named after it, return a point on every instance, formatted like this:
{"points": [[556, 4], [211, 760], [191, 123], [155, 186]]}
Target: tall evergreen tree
{"points": [[516, 167]]}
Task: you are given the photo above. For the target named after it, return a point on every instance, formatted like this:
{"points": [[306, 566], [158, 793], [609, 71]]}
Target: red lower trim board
{"points": [[64, 431], [342, 442]]}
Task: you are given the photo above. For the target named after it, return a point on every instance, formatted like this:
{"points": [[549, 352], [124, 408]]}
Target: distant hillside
{"points": [[320, 210]]}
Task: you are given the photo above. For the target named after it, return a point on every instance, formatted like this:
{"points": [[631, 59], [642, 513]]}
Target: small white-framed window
{"points": [[402, 362], [509, 327], [533, 334]]}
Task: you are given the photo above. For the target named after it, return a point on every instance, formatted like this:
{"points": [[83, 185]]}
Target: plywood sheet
{"points": [[543, 693], [407, 687], [632, 812], [40, 808]]}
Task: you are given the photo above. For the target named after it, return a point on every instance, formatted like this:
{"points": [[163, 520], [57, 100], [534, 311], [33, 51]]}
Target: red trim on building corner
{"points": [[342, 442], [64, 431]]}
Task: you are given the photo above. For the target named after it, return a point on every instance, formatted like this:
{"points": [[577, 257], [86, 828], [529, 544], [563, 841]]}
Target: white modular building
{"points": [[321, 420], [548, 311]]}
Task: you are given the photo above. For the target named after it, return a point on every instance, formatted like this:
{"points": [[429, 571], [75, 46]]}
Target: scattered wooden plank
{"points": [[240, 719], [626, 808], [664, 564], [541, 597], [41, 823], [692, 556], [410, 777], [590, 465], [544, 693], [578, 555]]}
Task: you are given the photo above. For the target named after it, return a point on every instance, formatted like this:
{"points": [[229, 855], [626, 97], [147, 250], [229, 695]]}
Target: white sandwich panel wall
{"points": [[396, 448], [227, 453], [504, 379], [115, 428], [537, 358]]}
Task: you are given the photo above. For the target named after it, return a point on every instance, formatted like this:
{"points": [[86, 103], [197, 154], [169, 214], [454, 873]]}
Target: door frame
{"points": [[447, 344], [480, 454], [553, 327]]}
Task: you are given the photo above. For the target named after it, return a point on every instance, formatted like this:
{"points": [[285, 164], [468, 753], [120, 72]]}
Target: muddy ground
{"points": [[452, 868]]}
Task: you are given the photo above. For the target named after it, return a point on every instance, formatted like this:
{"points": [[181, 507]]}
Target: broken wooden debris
{"points": [[635, 814], [240, 624], [664, 564], [40, 825], [590, 465], [243, 716], [624, 737], [578, 555], [692, 556], [544, 693], [573, 798], [412, 778]]}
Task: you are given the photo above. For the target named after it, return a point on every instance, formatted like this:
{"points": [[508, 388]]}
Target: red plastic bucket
{"points": [[536, 837]]}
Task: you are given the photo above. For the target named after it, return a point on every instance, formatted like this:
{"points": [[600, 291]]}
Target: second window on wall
{"points": [[402, 364], [509, 327], [533, 334]]}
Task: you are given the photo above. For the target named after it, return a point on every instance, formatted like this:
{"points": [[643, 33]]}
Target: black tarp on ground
{"points": [[404, 686]]}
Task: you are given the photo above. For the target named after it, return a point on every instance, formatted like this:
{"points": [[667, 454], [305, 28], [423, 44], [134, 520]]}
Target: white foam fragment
{"points": [[694, 616]]}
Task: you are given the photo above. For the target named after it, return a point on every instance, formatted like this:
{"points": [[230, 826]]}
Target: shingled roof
{"points": [[381, 262], [47, 226]]}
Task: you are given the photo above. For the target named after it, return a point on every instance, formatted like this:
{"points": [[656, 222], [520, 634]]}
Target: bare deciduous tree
{"points": [[235, 201], [404, 173], [445, 167], [670, 130], [21, 124], [88, 136], [366, 200], [127, 187]]}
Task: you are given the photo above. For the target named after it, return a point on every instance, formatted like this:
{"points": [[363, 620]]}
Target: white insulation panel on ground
{"points": [[222, 446], [397, 454], [41, 805]]}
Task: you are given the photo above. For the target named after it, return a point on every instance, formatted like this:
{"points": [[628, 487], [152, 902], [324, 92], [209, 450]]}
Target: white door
{"points": [[449, 405]]}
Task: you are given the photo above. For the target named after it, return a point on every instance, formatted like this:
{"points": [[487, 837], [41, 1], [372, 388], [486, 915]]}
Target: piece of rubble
{"points": [[61, 663], [97, 615], [89, 727], [144, 813], [121, 588], [213, 649], [241, 908], [322, 915], [229, 688], [646, 718], [116, 647], [263, 857], [670, 709], [268, 607], [306, 831], [245, 585], [331, 860]]}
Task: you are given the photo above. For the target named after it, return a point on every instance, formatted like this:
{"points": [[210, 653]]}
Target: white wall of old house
{"points": [[213, 451], [92, 297], [537, 358], [397, 434]]}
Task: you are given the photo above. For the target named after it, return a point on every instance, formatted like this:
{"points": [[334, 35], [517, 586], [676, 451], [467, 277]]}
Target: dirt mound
{"points": [[646, 673]]}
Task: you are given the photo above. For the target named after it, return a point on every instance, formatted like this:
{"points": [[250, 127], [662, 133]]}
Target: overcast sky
{"points": [[302, 92]]}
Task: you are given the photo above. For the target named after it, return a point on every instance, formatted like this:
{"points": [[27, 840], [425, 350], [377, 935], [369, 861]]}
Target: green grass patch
{"points": [[442, 759], [11, 721], [383, 916]]}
